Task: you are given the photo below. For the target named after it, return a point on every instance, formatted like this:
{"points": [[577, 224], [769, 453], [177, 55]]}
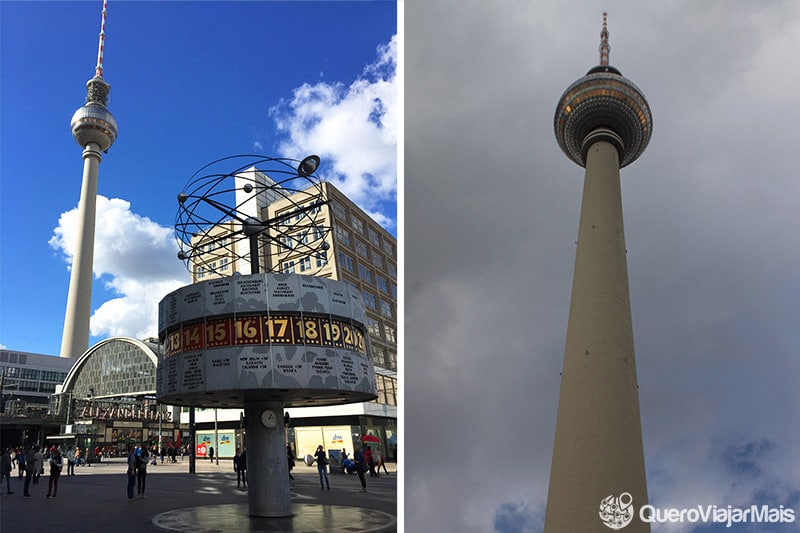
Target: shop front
{"points": [[108, 400]]}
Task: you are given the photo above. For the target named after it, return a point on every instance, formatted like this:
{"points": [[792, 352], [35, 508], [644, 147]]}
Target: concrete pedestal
{"points": [[267, 466]]}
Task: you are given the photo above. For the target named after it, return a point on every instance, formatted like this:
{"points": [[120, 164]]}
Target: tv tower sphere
{"points": [[603, 104], [93, 122]]}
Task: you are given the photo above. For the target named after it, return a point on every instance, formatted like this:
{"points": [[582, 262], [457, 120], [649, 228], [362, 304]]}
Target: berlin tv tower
{"points": [[597, 478], [95, 130]]}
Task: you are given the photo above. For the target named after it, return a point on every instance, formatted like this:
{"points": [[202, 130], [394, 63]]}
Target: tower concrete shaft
{"points": [[75, 339], [598, 448], [94, 129]]}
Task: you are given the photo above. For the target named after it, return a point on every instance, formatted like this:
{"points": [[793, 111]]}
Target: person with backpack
{"points": [[56, 464], [142, 458]]}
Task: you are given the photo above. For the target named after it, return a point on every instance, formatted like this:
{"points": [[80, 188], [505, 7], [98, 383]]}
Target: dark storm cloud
{"points": [[491, 221]]}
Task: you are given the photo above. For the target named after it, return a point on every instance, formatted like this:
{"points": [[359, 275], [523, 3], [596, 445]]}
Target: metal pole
{"points": [[254, 263], [192, 466], [3, 391], [160, 420], [216, 436]]}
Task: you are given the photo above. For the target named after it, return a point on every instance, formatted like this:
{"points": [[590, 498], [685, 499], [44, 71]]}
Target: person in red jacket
{"points": [[370, 462]]}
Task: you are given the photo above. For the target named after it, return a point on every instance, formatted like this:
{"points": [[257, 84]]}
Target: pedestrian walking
{"points": [[56, 464], [361, 467], [322, 467], [290, 459], [142, 458], [163, 453], [211, 453], [380, 461], [240, 467], [370, 462], [131, 471], [5, 470]]}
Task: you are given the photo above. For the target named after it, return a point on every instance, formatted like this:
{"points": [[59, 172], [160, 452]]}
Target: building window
{"points": [[391, 336], [378, 357], [394, 291], [373, 327], [358, 225], [378, 260], [382, 284], [388, 248], [387, 390], [29, 373], [369, 300], [386, 309], [322, 258], [305, 264], [374, 238], [223, 263], [365, 273], [343, 236], [392, 271], [287, 267], [362, 249], [346, 262], [338, 210]]}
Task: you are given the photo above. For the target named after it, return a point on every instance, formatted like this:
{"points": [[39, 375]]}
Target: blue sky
{"points": [[190, 82]]}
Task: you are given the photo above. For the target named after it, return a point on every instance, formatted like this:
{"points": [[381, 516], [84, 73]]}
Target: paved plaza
{"points": [[95, 500]]}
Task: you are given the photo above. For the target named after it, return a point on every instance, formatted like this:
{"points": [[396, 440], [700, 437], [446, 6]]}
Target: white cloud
{"points": [[353, 129], [135, 257]]}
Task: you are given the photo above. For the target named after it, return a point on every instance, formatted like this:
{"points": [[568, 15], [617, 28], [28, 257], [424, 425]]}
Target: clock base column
{"points": [[267, 466]]}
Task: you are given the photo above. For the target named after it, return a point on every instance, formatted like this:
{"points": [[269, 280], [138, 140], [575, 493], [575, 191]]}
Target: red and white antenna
{"points": [[605, 48], [98, 70]]}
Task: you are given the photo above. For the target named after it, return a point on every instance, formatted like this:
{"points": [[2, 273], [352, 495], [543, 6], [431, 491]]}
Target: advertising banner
{"points": [[202, 442]]}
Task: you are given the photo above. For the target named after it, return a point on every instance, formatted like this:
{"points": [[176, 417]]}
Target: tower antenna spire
{"points": [[98, 70], [605, 48]]}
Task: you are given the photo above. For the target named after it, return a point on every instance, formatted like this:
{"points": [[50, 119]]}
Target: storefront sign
{"points": [[125, 413]]}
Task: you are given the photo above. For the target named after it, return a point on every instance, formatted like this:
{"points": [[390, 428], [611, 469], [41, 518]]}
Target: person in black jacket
{"points": [[322, 467], [142, 458], [240, 467], [290, 459]]}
